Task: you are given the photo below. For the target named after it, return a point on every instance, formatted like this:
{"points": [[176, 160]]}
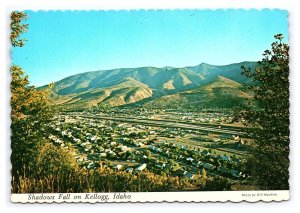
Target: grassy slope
{"points": [[221, 92], [126, 92]]}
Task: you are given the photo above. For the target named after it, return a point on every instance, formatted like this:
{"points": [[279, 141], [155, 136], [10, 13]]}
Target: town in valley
{"points": [[165, 142]]}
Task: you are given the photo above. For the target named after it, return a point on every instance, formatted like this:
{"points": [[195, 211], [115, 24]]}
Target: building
{"points": [[189, 159], [141, 167], [118, 167], [129, 170], [188, 175]]}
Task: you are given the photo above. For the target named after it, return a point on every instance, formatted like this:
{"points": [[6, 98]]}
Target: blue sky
{"points": [[61, 44]]}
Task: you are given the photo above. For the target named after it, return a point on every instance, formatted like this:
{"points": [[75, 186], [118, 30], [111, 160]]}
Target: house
{"points": [[58, 141], [161, 166], [180, 172], [189, 159], [196, 163], [100, 148], [94, 138], [225, 158], [76, 140], [113, 143], [107, 150], [140, 144], [154, 148], [188, 175], [141, 167], [208, 166], [235, 173], [181, 157], [86, 143], [63, 133], [151, 132], [165, 143], [76, 157], [151, 147], [102, 154], [124, 148], [182, 147], [112, 153], [118, 167], [205, 153], [242, 175], [90, 166], [236, 137], [51, 136], [243, 141], [124, 139]]}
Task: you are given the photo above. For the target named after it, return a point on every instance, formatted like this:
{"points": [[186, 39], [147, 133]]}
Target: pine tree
{"points": [[269, 117]]}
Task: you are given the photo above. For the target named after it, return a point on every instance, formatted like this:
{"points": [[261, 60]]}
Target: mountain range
{"points": [[198, 86]]}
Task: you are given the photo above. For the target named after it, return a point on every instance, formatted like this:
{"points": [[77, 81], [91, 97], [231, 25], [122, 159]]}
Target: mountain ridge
{"points": [[123, 86]]}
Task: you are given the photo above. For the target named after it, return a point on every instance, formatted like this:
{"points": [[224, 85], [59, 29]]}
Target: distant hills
{"points": [[200, 86]]}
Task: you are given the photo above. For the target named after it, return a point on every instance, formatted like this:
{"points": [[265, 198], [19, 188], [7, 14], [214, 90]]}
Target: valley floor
{"points": [[188, 146]]}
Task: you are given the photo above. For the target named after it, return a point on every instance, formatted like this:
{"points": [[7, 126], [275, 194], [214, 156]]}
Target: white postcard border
{"points": [[124, 197], [294, 193]]}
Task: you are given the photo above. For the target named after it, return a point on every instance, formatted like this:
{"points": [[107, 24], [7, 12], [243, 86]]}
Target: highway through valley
{"points": [[228, 130]]}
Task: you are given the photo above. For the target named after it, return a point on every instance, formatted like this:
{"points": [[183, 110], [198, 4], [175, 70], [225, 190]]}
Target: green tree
{"points": [[269, 117], [53, 160], [30, 116], [30, 109], [18, 27]]}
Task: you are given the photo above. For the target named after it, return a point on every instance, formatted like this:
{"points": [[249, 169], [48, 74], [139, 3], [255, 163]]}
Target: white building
{"points": [[141, 167]]}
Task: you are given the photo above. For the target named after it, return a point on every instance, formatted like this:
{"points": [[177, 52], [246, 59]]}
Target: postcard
{"points": [[149, 106]]}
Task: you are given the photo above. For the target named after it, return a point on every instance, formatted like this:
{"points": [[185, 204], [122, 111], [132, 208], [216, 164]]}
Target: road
{"points": [[168, 124]]}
